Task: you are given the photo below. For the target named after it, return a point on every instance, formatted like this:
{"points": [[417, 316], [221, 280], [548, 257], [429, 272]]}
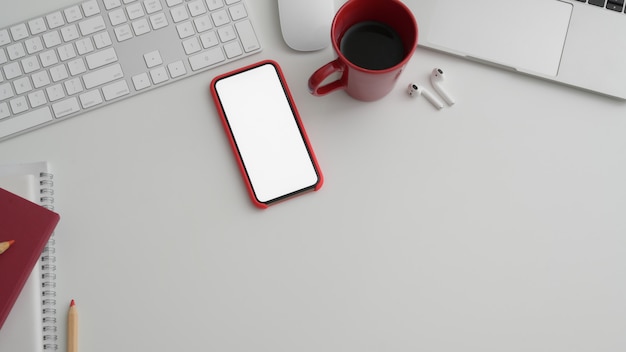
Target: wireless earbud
{"points": [[415, 90], [437, 78]]}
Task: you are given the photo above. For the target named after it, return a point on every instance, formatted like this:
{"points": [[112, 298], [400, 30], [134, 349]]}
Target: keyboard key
{"points": [[90, 8], [247, 36], [25, 121], [115, 90], [48, 58], [73, 86], [179, 14], [92, 25], [4, 111], [209, 39], [615, 5], [158, 21], [38, 25], [84, 46], [238, 12], [22, 85], [101, 58], [220, 18], [3, 57], [52, 39], [37, 98], [69, 33], [123, 33], [55, 20], [196, 8], [102, 76], [76, 67], [117, 17], [141, 27], [111, 4], [41, 79], [18, 105], [185, 30], [176, 69], [159, 75], [171, 3], [214, 4], [16, 51], [153, 58], [134, 11], [232, 50], [12, 70], [226, 33], [55, 92], [66, 52], [65, 107], [90, 99], [152, 6], [206, 59], [6, 91], [30, 64], [4, 37], [192, 46], [102, 40], [33, 45], [58, 73], [202, 23], [73, 14], [19, 32], [141, 81]]}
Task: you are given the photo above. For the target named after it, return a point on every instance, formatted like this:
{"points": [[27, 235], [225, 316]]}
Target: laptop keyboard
{"points": [[98, 52], [615, 5]]}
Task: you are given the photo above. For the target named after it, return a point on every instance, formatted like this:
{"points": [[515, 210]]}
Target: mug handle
{"points": [[324, 72]]}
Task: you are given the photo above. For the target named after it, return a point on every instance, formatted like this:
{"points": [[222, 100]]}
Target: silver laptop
{"points": [[578, 43]]}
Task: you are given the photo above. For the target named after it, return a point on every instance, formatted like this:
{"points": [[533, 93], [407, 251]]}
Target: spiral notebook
{"points": [[31, 326]]}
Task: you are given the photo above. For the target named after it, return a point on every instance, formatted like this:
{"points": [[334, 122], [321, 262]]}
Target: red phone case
{"points": [[233, 144]]}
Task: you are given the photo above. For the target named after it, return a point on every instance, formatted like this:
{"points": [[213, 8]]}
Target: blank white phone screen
{"points": [[267, 137]]}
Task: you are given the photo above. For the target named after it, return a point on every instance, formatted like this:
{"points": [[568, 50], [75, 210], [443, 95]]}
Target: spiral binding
{"points": [[48, 270]]}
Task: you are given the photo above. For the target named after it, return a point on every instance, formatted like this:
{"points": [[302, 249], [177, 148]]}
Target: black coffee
{"points": [[372, 45]]}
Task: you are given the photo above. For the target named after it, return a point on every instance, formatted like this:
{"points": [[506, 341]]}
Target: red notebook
{"points": [[30, 225]]}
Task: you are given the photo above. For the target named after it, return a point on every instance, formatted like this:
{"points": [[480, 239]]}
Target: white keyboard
{"points": [[100, 51]]}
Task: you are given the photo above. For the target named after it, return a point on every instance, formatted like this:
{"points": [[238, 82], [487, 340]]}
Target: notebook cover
{"points": [[30, 225]]}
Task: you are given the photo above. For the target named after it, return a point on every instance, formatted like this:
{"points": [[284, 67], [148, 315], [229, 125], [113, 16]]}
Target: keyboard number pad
{"points": [[222, 25]]}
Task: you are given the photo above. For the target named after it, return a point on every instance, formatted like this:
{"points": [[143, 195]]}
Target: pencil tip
{"points": [[11, 242], [72, 303]]}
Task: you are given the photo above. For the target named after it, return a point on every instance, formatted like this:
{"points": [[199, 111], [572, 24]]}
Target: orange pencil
{"points": [[5, 245], [72, 328]]}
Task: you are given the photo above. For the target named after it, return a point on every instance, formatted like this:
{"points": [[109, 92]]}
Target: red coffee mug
{"points": [[359, 82]]}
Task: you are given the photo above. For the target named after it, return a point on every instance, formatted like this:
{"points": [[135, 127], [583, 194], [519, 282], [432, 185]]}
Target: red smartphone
{"points": [[266, 133]]}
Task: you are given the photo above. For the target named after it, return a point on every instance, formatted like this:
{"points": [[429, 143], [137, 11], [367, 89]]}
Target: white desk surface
{"points": [[498, 224]]}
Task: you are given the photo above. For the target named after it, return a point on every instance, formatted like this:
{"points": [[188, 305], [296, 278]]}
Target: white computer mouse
{"points": [[305, 24]]}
